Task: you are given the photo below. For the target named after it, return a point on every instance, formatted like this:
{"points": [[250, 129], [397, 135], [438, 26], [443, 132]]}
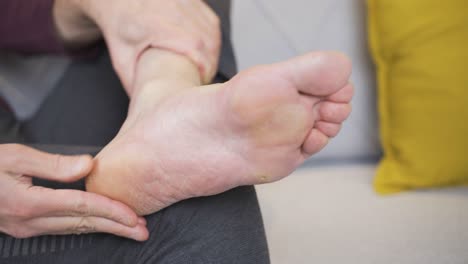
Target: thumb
{"points": [[28, 161]]}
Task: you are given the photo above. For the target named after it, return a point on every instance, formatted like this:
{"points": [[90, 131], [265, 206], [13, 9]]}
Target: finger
{"points": [[28, 161], [212, 36], [210, 20], [211, 52], [207, 12], [187, 15], [185, 44], [195, 37], [85, 225], [202, 45], [188, 44], [142, 221], [210, 33], [194, 17], [50, 202]]}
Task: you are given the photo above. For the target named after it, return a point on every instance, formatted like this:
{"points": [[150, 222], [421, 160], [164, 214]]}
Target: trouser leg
{"points": [[87, 108]]}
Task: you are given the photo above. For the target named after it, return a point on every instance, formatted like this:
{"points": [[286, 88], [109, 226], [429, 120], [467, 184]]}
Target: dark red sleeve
{"points": [[28, 26]]}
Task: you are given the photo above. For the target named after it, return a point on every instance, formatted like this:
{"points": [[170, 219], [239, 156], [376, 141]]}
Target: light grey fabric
{"points": [[330, 214], [25, 81], [266, 31]]}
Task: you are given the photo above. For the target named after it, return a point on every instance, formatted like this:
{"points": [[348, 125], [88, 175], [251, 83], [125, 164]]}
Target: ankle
{"points": [[156, 64], [161, 74], [154, 92]]}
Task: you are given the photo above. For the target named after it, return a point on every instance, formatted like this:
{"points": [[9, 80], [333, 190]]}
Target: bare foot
{"points": [[256, 128]]}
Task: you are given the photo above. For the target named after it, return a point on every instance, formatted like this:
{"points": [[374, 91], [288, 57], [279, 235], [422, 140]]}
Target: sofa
{"points": [[328, 211]]}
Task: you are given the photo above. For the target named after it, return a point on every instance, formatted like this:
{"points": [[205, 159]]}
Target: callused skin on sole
{"points": [[183, 140]]}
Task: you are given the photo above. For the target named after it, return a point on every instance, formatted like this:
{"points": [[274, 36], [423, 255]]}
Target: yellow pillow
{"points": [[421, 51]]}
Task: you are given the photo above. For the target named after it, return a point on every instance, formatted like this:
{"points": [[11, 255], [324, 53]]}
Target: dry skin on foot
{"points": [[256, 128]]}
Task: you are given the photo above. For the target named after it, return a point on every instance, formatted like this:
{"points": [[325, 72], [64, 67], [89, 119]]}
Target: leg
{"points": [[54, 124], [227, 228], [219, 229], [231, 223]]}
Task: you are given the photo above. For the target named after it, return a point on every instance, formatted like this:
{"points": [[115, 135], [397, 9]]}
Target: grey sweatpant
{"points": [[87, 108]]}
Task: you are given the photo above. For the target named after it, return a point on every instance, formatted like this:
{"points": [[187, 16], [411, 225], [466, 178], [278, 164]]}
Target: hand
{"points": [[187, 27], [74, 28], [28, 210]]}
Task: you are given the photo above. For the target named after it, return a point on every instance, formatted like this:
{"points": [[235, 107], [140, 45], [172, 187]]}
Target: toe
{"points": [[320, 73], [314, 142], [329, 129], [343, 95], [333, 112]]}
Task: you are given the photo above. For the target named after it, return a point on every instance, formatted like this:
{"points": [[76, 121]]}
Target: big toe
{"points": [[320, 73]]}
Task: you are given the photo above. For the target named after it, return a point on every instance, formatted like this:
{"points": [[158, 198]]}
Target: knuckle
{"points": [[82, 207], [57, 162], [214, 48], [199, 44], [212, 16], [83, 226], [21, 212], [133, 31]]}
